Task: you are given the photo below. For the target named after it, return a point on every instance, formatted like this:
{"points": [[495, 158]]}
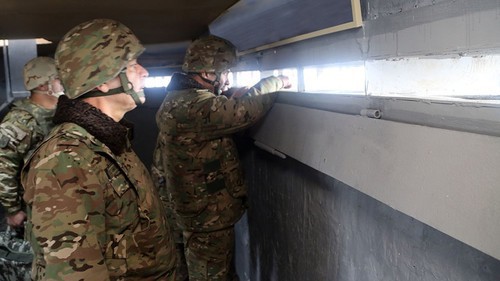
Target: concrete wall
{"points": [[438, 179], [305, 225]]}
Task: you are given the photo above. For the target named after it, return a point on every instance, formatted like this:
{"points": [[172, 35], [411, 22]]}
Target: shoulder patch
{"points": [[11, 134]]}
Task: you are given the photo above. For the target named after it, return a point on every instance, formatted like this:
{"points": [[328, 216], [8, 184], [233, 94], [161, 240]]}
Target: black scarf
{"points": [[98, 124], [182, 81]]}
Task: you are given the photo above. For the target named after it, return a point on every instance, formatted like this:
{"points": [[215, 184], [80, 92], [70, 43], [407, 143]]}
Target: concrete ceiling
{"points": [[157, 23]]}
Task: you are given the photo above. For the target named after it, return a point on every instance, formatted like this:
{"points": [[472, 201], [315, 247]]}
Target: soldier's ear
{"points": [[204, 75], [103, 88], [44, 87], [109, 85]]}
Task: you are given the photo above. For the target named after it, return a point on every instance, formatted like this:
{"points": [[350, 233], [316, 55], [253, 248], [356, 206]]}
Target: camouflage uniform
{"points": [[93, 213], [21, 130], [204, 177]]}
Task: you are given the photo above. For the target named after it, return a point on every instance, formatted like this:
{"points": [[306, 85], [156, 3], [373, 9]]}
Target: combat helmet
{"points": [[94, 52], [39, 71], [209, 54]]}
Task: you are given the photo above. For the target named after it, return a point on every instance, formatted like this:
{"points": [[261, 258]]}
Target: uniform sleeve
{"points": [[265, 86], [67, 216], [16, 137], [158, 174], [157, 170], [220, 116]]}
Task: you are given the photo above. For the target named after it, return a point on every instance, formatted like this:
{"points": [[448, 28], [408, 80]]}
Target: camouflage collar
{"points": [[42, 115], [104, 128]]}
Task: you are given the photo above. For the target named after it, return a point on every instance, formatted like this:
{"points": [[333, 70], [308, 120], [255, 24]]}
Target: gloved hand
{"points": [[286, 81]]}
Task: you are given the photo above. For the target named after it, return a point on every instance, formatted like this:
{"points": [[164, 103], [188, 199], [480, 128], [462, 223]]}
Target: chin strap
{"points": [[217, 85], [126, 88], [130, 89]]}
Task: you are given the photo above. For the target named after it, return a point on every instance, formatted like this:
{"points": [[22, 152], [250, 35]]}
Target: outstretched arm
{"points": [[219, 115]]}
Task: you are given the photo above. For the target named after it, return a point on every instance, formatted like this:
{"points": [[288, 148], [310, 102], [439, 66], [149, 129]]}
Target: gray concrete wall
{"points": [[444, 178], [305, 225]]}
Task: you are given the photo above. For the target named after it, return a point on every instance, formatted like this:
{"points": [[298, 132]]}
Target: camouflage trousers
{"points": [[209, 255], [16, 257]]}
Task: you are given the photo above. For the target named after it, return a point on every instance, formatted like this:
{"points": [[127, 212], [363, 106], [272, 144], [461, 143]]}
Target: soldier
{"points": [[203, 175], [93, 212], [21, 130]]}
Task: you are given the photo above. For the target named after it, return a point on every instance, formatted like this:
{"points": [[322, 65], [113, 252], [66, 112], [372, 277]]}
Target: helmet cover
{"points": [[39, 71], [94, 52], [209, 54]]}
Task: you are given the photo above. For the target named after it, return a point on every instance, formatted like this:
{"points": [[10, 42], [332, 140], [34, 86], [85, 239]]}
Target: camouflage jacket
{"points": [[21, 130], [204, 177], [93, 213]]}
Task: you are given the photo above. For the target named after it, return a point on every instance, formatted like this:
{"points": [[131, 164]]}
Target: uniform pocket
{"points": [[231, 170], [234, 181], [116, 255], [117, 180], [117, 189], [190, 200], [132, 252]]}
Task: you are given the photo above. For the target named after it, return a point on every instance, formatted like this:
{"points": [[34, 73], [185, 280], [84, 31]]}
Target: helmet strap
{"points": [[126, 87], [215, 83], [208, 80]]}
